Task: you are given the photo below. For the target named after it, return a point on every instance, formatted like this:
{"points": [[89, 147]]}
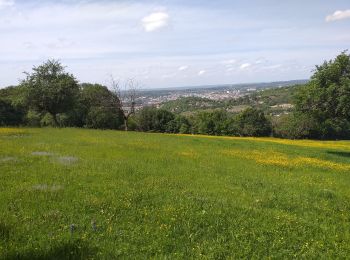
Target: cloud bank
{"points": [[6, 3], [208, 43]]}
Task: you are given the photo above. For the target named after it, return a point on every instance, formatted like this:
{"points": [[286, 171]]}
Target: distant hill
{"points": [[273, 101], [257, 85]]}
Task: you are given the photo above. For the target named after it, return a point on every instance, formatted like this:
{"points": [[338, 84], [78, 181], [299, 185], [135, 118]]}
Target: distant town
{"points": [[156, 97]]}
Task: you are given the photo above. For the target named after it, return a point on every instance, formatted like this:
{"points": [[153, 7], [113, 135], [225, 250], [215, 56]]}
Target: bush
{"points": [[9, 114], [47, 120], [33, 118]]}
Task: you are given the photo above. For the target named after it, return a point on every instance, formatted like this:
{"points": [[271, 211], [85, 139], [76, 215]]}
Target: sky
{"points": [[173, 43]]}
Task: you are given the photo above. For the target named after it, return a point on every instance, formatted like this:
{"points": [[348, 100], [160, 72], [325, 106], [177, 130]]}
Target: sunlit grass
{"points": [[89, 194], [303, 143], [280, 159], [11, 131]]}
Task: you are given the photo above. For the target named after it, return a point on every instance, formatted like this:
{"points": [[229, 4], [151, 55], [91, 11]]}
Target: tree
{"points": [[50, 89], [12, 108], [9, 114], [180, 124], [151, 119], [252, 122], [126, 98], [145, 118], [161, 120], [294, 126], [99, 107], [211, 122], [326, 98]]}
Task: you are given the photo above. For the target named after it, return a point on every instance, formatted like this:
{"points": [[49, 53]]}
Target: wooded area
{"points": [[49, 96]]}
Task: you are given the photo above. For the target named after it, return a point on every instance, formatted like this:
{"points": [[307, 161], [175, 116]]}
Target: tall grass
{"points": [[89, 194]]}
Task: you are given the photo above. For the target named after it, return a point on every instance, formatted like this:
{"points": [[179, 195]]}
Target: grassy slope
{"points": [[154, 195]]}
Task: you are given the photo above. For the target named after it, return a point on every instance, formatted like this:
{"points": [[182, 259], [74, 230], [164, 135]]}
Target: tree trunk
{"points": [[125, 123]]}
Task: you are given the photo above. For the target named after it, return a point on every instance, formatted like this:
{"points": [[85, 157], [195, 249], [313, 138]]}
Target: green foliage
{"points": [[98, 107], [10, 115], [161, 120], [294, 126], [50, 89], [49, 96], [326, 99], [211, 122], [252, 122], [15, 95], [151, 119], [33, 118], [12, 108], [145, 118], [102, 118], [180, 124], [47, 120]]}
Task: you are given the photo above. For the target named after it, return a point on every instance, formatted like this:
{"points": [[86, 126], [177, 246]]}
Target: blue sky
{"points": [[173, 43]]}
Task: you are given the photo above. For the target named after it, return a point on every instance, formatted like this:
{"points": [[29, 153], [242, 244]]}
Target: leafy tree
{"points": [[145, 118], [161, 120], [12, 108], [294, 126], [9, 114], [50, 89], [211, 122], [155, 120], [98, 107], [326, 99], [252, 122], [33, 118], [180, 124]]}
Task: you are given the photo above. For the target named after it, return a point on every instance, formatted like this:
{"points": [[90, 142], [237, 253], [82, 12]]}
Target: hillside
{"points": [[273, 101], [96, 194]]}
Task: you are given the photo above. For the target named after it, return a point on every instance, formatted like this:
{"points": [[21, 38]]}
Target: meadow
{"points": [[93, 194]]}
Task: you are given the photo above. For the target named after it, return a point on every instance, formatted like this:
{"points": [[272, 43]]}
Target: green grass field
{"points": [[88, 194]]}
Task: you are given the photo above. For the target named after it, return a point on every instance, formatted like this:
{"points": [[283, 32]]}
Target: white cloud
{"points": [[183, 68], [6, 3], [338, 15], [245, 66], [155, 21], [201, 72], [232, 61]]}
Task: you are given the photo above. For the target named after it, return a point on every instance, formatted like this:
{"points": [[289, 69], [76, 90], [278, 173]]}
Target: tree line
{"points": [[50, 96]]}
